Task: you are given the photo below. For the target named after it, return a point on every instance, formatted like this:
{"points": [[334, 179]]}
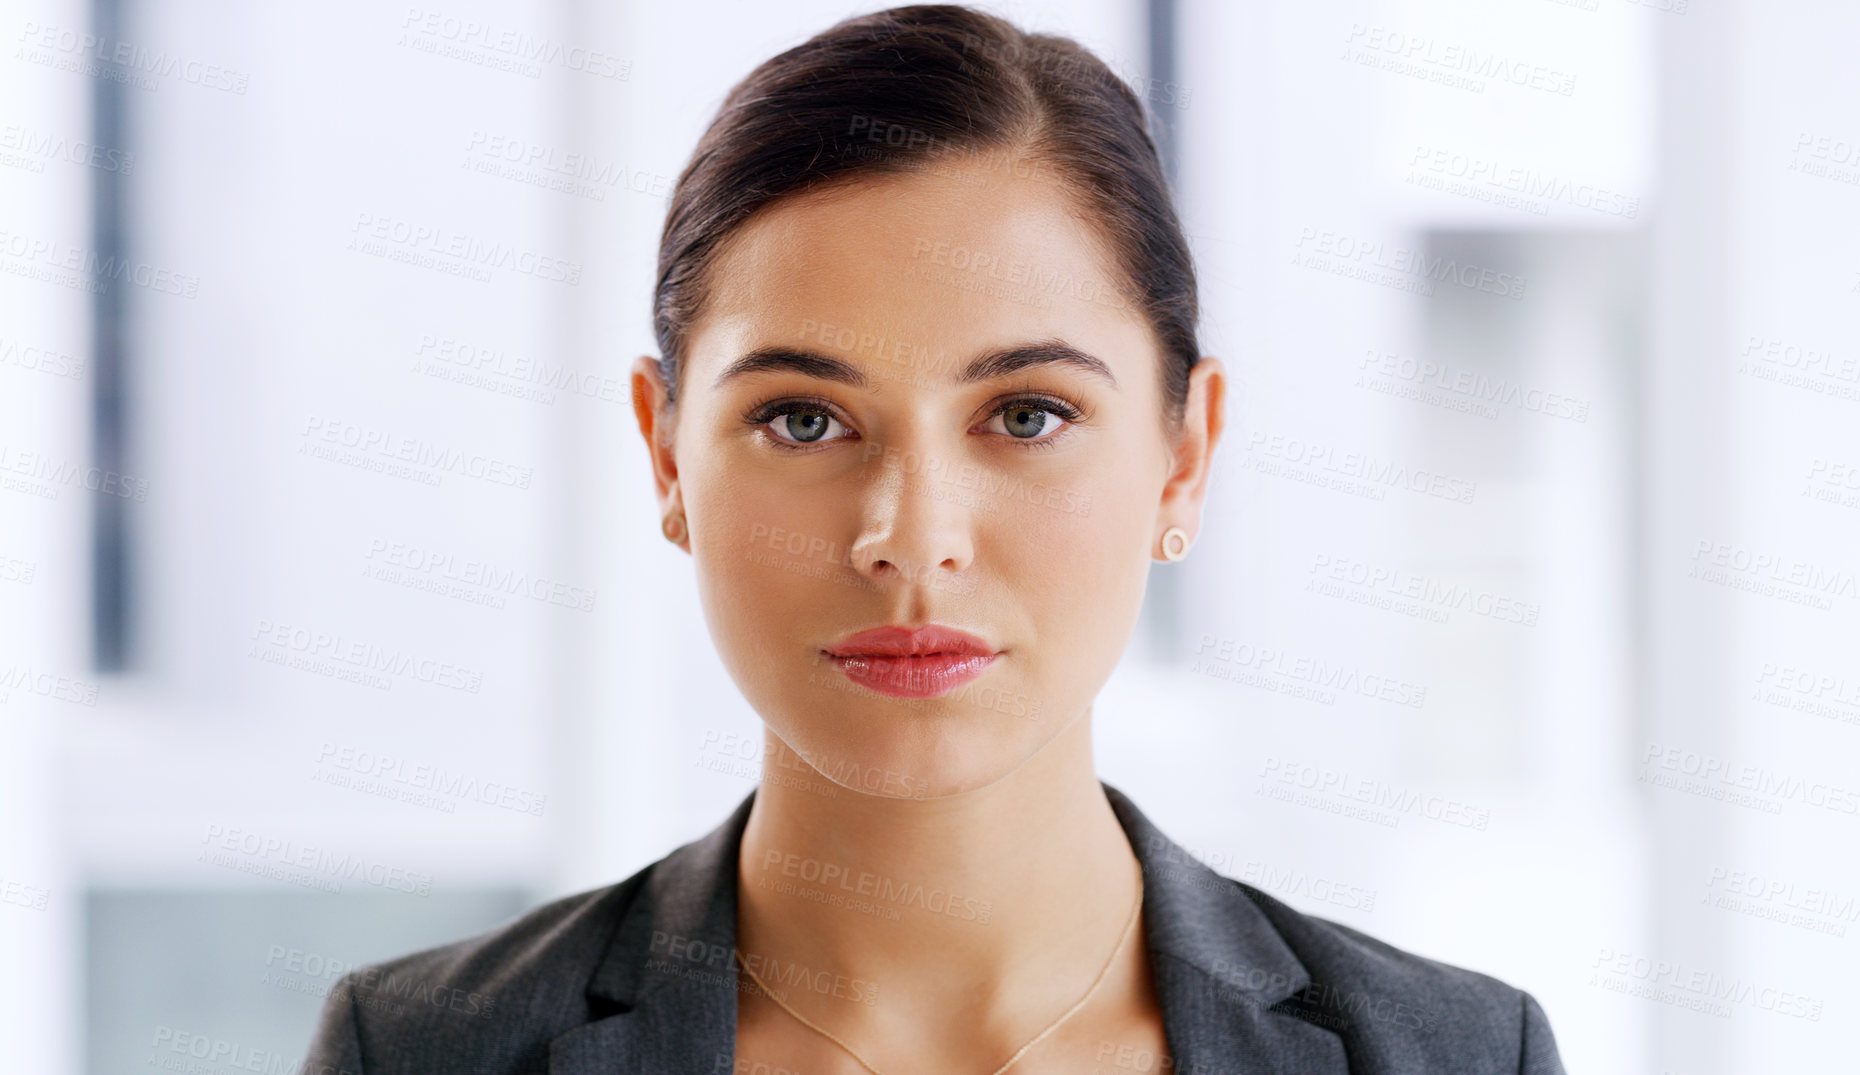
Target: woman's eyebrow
{"points": [[808, 363], [1008, 360], [1000, 362]]}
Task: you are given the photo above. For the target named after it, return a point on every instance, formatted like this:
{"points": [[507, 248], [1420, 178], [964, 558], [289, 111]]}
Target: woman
{"points": [[929, 402]]}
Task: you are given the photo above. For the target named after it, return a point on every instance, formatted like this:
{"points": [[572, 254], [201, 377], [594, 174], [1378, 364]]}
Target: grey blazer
{"points": [[639, 977]]}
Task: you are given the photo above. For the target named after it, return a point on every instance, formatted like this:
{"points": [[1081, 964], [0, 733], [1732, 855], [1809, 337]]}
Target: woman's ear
{"points": [[652, 410], [1191, 454]]}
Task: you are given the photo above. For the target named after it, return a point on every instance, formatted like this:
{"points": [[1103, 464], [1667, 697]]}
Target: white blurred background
{"points": [[1581, 274]]}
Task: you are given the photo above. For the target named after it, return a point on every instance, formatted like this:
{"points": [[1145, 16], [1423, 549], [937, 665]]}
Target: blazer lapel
{"points": [[1219, 966], [1218, 963], [670, 969], [680, 1028]]}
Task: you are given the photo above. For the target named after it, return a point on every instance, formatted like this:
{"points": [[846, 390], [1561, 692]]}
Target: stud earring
{"points": [[674, 527], [1174, 543]]}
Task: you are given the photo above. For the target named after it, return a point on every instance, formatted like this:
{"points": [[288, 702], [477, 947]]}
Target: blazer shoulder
{"points": [[498, 996], [1405, 1011]]}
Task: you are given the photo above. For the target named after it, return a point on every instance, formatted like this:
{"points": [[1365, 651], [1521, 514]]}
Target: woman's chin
{"points": [[903, 763]]}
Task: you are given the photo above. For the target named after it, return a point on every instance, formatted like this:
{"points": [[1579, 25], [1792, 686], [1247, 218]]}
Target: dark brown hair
{"points": [[910, 88]]}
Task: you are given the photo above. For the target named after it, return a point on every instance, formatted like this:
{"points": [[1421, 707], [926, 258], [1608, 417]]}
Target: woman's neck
{"points": [[992, 910]]}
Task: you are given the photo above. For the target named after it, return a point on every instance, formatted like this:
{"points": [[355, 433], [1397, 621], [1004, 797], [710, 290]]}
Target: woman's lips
{"points": [[906, 663], [913, 677]]}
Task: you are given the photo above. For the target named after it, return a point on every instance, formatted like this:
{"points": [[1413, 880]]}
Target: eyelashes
{"points": [[763, 412], [1064, 411]]}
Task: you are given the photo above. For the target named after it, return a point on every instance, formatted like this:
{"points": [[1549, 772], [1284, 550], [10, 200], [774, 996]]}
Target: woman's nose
{"points": [[915, 522]]}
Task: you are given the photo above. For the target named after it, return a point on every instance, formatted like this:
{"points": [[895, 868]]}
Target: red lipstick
{"points": [[926, 662]]}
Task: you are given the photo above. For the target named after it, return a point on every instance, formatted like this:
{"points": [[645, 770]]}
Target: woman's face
{"points": [[870, 466]]}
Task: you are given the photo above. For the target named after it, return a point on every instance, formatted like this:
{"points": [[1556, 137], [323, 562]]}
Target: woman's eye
{"points": [[1025, 421], [803, 426]]}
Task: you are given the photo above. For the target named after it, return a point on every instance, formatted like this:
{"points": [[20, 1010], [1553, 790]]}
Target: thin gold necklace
{"points": [[1037, 1038]]}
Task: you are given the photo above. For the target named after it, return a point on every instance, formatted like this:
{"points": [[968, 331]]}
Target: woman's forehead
{"points": [[927, 263]]}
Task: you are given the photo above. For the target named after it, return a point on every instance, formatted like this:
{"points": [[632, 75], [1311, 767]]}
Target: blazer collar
{"points": [[1217, 962]]}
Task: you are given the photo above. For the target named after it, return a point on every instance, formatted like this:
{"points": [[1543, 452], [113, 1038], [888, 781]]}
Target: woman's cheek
{"points": [[774, 576], [1050, 532]]}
